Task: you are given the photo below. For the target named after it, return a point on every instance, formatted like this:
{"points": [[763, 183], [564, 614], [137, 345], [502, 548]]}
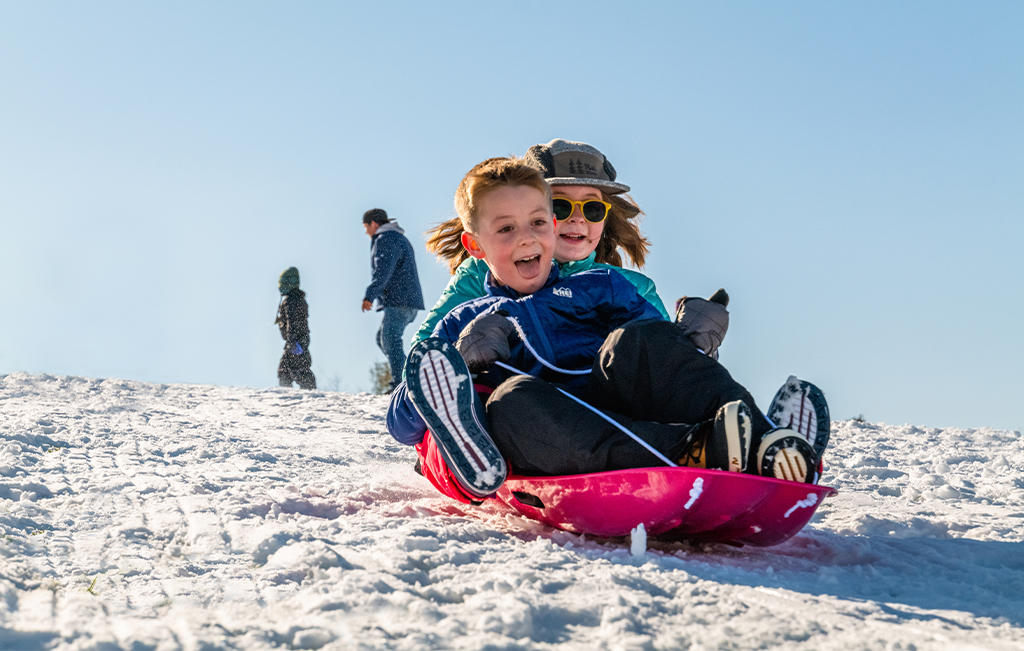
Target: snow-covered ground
{"points": [[143, 516]]}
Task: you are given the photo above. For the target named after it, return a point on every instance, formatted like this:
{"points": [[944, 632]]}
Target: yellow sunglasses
{"points": [[593, 210]]}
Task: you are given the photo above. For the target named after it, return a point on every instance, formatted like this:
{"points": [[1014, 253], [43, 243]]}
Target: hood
{"points": [[390, 226], [288, 280]]}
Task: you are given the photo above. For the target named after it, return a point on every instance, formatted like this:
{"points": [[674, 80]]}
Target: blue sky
{"points": [[851, 172]]}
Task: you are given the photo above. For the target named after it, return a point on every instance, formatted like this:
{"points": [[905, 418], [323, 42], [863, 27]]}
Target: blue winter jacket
{"points": [[395, 281], [467, 283], [566, 322]]}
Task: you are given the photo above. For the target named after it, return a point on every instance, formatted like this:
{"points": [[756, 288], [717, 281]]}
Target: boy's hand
{"points": [[705, 322], [485, 341]]}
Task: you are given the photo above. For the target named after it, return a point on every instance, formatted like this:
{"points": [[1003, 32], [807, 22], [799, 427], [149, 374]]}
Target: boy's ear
{"points": [[471, 245]]}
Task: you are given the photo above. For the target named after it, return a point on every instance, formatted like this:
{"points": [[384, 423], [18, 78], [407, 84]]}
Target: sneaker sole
{"points": [[800, 406], [441, 389], [784, 454], [735, 418]]}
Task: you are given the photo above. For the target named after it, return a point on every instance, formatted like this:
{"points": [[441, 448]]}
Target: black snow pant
{"points": [[295, 368], [648, 377]]}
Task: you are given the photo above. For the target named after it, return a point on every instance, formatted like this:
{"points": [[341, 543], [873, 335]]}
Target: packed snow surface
{"points": [[143, 516]]}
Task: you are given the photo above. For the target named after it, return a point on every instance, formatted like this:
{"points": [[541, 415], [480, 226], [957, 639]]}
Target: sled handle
{"points": [[631, 435]]}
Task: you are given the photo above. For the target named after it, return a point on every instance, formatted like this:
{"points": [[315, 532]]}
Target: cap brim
{"points": [[611, 186]]}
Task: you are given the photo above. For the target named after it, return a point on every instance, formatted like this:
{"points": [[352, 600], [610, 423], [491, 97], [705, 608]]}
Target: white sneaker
{"points": [[730, 446], [785, 454], [800, 406], [442, 390]]}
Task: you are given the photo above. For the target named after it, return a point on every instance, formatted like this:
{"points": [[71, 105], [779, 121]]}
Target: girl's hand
{"points": [[705, 322]]}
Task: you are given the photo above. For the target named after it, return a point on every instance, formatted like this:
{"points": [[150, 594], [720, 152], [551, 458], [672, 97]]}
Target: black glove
{"points": [[485, 341], [705, 322]]}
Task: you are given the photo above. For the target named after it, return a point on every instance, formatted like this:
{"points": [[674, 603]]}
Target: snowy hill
{"points": [[143, 516]]}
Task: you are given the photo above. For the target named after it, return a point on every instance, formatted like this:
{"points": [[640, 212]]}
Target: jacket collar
{"points": [[390, 226], [505, 290], [576, 266]]}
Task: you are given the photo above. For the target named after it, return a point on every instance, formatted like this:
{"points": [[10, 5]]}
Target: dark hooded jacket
{"points": [[293, 318], [395, 280]]}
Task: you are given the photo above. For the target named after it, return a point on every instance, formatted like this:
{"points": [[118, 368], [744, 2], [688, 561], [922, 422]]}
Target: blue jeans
{"points": [[389, 338]]}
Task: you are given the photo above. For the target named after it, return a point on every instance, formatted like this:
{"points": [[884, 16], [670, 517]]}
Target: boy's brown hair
{"points": [[621, 228], [488, 176], [445, 239]]}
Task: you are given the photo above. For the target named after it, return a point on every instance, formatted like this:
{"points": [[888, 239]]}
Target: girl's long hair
{"points": [[621, 231], [445, 241]]}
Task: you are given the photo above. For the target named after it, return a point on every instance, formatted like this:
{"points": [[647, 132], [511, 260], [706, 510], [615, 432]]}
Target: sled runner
{"points": [[672, 504]]}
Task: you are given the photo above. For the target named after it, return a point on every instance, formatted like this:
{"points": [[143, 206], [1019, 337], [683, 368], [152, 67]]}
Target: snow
{"points": [[144, 516], [638, 541]]}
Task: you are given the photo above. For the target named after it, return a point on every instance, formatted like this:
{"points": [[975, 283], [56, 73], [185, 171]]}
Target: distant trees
{"points": [[380, 377]]}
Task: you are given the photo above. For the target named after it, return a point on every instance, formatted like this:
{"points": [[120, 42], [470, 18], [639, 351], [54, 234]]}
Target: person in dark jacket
{"points": [[293, 321], [395, 286]]}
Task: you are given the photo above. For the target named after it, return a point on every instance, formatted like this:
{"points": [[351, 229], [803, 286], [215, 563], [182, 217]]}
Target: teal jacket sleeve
{"points": [[644, 286], [465, 285]]}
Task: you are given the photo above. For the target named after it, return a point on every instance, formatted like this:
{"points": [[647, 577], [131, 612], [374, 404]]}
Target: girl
{"points": [[592, 222], [669, 394]]}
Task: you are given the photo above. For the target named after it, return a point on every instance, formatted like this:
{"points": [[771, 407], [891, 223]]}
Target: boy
{"points": [[645, 371], [293, 321]]}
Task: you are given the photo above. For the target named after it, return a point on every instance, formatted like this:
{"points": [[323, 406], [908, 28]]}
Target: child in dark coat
{"points": [[293, 321]]}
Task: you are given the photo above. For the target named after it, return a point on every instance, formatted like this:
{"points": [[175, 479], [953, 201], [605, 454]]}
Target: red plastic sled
{"points": [[672, 503]]}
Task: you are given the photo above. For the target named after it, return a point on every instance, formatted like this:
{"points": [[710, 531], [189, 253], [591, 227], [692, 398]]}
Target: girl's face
{"points": [[576, 238]]}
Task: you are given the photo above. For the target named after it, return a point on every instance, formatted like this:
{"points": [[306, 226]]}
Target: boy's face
{"points": [[516, 237]]}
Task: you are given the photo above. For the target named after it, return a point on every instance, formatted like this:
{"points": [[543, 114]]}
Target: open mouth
{"points": [[528, 267], [572, 237]]}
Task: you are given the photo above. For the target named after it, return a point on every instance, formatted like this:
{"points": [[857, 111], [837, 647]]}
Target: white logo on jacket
{"points": [[564, 292]]}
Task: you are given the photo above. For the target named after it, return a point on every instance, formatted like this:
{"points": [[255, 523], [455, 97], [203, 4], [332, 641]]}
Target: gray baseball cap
{"points": [[564, 162]]}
